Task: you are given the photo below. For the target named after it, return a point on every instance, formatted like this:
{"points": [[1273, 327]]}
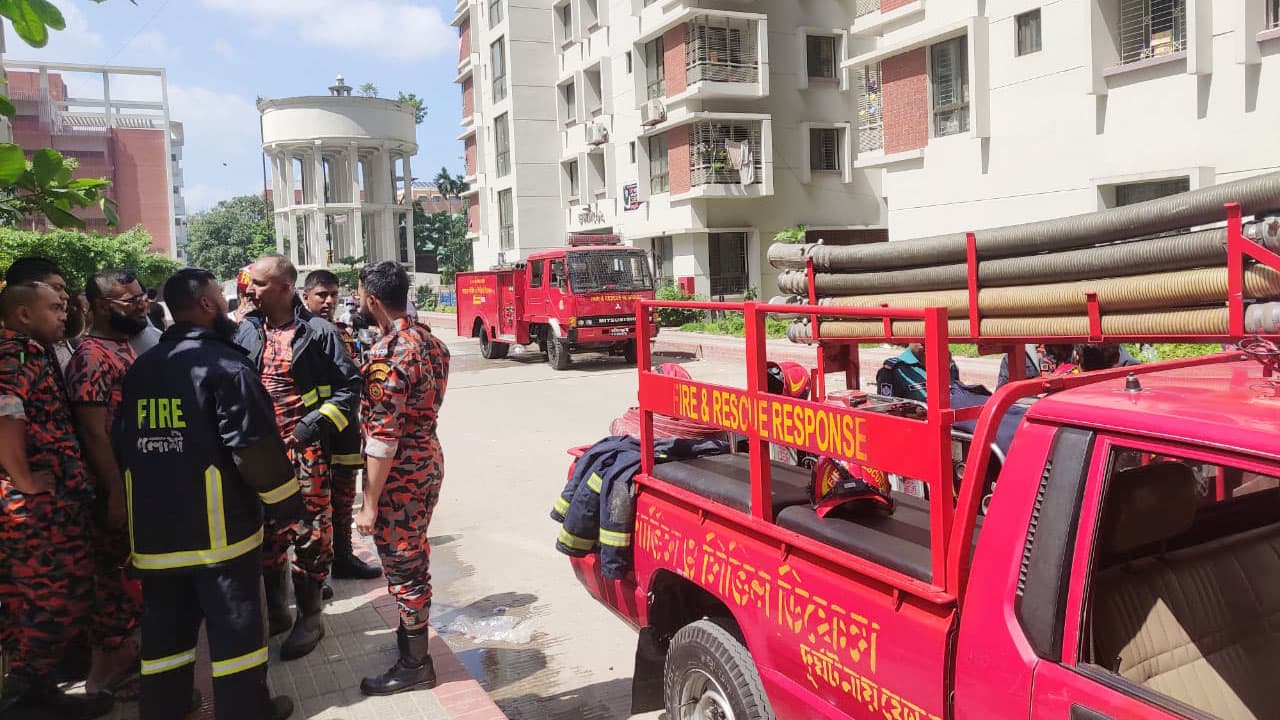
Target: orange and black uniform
{"points": [[95, 376], [46, 569], [201, 454], [405, 381]]}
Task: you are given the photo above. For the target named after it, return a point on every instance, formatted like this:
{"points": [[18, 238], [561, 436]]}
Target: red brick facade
{"points": [[470, 145], [673, 43], [473, 218], [678, 156], [887, 5], [464, 40], [906, 102], [143, 167], [468, 98]]}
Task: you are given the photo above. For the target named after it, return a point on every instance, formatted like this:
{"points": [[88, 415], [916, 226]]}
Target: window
{"points": [[821, 53], [1131, 193], [1273, 13], [654, 70], [824, 150], [1151, 28], [721, 49], [727, 258], [592, 13], [502, 146], [1028, 29], [659, 173], [627, 57], [570, 95], [506, 221], [870, 119], [535, 273], [571, 169], [495, 13], [710, 160], [558, 275], [632, 147], [498, 63], [565, 13], [949, 73]]}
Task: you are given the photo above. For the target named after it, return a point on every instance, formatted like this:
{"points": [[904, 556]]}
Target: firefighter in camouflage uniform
{"points": [[46, 501], [404, 386]]}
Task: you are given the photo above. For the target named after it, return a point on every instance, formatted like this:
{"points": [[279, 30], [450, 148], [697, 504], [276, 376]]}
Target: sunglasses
{"points": [[140, 300]]}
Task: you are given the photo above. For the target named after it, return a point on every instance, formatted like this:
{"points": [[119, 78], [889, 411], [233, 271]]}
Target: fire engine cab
{"points": [[566, 300]]}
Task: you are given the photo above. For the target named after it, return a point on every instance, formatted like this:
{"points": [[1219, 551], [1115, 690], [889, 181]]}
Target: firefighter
{"points": [[320, 294], [118, 308], [315, 389], [904, 376], [405, 381], [202, 456], [45, 503]]}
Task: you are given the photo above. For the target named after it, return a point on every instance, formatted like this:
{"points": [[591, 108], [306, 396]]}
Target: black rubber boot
{"points": [[413, 670], [281, 707], [26, 697], [279, 619], [346, 566], [308, 627]]}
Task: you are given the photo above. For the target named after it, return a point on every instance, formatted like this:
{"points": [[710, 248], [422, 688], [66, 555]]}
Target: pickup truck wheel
{"points": [[557, 354], [491, 350], [710, 676]]}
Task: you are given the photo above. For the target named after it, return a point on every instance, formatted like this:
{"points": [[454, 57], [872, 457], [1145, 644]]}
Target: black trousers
{"points": [[228, 598]]}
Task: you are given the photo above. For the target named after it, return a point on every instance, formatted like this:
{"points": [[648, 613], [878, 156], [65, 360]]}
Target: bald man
{"points": [[315, 388]]}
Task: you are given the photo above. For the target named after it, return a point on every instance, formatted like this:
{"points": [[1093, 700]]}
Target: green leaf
{"points": [[12, 164], [48, 13], [61, 218], [88, 183], [46, 164], [109, 209], [26, 22], [6, 107]]}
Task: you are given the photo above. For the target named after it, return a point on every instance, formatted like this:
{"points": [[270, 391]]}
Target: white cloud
{"points": [[394, 29], [77, 43], [215, 118], [224, 49], [152, 47]]}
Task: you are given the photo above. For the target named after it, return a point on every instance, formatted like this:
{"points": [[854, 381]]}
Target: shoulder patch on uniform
{"points": [[376, 375]]}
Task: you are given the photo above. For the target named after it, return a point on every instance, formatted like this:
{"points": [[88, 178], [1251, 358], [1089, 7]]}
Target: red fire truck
{"points": [[566, 300], [1126, 568]]}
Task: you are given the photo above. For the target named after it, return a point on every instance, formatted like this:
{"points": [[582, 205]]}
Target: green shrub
{"points": [[676, 317]]}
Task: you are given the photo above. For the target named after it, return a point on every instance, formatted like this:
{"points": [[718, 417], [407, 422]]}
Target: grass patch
{"points": [[734, 326]]}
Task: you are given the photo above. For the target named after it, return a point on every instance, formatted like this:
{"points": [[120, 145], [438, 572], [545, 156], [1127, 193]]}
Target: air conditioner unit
{"points": [[597, 134], [652, 113]]}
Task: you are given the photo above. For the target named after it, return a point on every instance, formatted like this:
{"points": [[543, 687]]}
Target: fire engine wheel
{"points": [[492, 350], [710, 676], [629, 352], [558, 355]]}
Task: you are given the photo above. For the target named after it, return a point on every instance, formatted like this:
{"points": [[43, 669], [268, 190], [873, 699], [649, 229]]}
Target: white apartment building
{"points": [[507, 71], [865, 119]]}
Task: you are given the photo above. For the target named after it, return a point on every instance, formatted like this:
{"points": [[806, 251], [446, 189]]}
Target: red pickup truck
{"points": [[1128, 565]]}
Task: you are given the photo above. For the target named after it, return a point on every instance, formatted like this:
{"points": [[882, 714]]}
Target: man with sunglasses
{"points": [[118, 314]]}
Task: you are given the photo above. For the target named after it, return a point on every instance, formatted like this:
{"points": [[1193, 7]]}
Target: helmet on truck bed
{"points": [[839, 485]]}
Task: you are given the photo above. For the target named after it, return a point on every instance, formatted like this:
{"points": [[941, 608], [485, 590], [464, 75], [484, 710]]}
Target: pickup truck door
{"points": [[1075, 687]]}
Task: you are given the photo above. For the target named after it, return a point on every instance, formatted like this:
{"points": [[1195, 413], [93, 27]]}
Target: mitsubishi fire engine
{"points": [[1127, 566], [566, 300]]}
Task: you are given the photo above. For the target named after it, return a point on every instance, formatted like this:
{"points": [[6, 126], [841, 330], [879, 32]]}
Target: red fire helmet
{"points": [[839, 484], [674, 370], [788, 378], [243, 278]]}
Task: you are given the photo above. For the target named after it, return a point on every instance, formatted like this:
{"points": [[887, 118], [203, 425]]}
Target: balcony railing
{"points": [[722, 49], [865, 7], [712, 163]]}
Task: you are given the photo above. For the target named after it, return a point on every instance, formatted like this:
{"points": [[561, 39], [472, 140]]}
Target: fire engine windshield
{"points": [[609, 270]]}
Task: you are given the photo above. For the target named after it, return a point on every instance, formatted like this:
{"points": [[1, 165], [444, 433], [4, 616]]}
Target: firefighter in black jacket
{"points": [[315, 388], [201, 455]]}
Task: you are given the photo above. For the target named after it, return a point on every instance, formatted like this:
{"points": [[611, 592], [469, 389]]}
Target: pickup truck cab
{"points": [[1128, 564]]}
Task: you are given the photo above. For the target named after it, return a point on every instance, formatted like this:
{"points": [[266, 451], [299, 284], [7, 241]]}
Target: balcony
{"points": [[725, 55], [463, 10], [729, 155]]}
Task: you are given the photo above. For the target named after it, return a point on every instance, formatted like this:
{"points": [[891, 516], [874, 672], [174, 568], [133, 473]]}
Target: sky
{"points": [[221, 55]]}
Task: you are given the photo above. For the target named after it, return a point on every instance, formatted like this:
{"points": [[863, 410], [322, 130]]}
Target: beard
{"points": [[225, 327], [127, 324]]}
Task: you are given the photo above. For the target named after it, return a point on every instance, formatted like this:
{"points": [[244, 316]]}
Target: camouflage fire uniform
{"points": [[404, 386], [94, 377], [46, 569]]}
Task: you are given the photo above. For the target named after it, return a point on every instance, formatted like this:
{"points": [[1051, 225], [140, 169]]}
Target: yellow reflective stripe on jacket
{"points": [[284, 492], [594, 482], [614, 539], [335, 415], [562, 506], [171, 662], [310, 398], [575, 542], [348, 459], [214, 509], [194, 558], [326, 391], [248, 661]]}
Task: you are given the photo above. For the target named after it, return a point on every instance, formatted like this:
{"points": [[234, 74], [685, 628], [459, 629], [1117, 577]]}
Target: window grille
{"points": [[1151, 28], [950, 76], [824, 149], [820, 51], [709, 160], [1028, 30], [659, 171], [865, 7], [870, 117], [506, 222], [495, 12], [727, 256], [654, 69], [498, 62], [502, 146], [721, 49], [1273, 13], [1132, 193]]}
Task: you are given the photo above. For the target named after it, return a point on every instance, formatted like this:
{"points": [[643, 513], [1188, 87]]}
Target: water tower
{"points": [[341, 178]]}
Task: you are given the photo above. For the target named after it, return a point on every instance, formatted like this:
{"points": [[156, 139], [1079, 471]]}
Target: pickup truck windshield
{"points": [[601, 271]]}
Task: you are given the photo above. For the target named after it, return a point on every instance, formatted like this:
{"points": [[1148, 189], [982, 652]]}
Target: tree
{"points": [[419, 107], [44, 185], [80, 255], [369, 90], [450, 185], [349, 276], [231, 235]]}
